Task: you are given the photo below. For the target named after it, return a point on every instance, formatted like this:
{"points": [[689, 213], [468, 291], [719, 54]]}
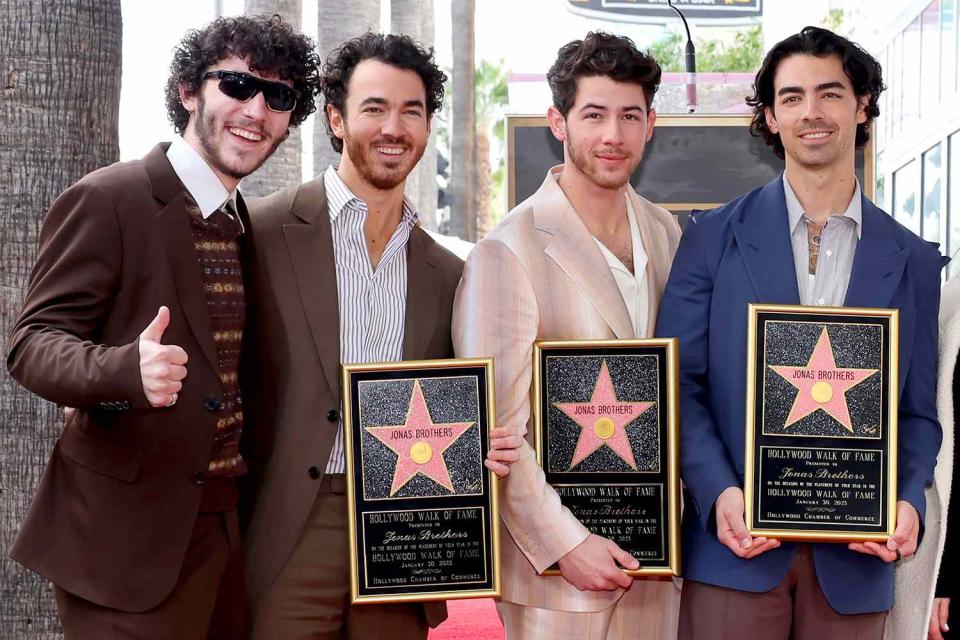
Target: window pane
{"points": [[953, 189], [896, 86], [932, 174], [879, 127], [930, 56], [906, 183], [948, 41], [911, 72], [881, 192]]}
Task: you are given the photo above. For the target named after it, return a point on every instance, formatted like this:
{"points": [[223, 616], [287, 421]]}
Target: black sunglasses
{"points": [[243, 86]]}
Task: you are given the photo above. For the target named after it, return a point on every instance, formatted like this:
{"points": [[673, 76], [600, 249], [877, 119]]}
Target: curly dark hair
{"points": [[860, 67], [601, 54], [401, 52], [269, 45]]}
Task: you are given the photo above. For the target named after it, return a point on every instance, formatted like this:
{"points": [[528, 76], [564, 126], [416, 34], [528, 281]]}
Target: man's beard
{"points": [[381, 178], [206, 128], [583, 163]]}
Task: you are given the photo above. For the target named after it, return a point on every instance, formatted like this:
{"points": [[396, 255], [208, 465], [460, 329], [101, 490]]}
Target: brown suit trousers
{"points": [[793, 610]]}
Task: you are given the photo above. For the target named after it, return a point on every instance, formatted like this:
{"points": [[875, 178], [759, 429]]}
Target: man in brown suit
{"points": [[344, 275], [134, 316]]}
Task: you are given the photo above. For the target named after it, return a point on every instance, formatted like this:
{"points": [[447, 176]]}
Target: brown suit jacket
{"points": [[113, 513], [295, 378]]}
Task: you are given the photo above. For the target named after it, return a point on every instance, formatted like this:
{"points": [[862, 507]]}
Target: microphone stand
{"points": [[690, 60]]}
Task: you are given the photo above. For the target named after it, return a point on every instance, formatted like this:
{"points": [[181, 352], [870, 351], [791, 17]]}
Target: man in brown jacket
{"points": [[344, 274], [134, 315]]}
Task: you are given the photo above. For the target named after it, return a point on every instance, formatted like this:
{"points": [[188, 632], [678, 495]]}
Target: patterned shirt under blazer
{"points": [[539, 275]]}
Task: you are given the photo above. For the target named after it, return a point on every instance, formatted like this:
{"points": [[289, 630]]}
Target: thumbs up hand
{"points": [[162, 367]]}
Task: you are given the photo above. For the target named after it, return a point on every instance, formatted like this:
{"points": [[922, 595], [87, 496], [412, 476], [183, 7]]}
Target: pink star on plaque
{"points": [[603, 420], [822, 384], [419, 443]]}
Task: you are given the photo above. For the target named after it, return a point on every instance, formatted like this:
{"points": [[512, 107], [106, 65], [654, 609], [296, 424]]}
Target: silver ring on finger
{"points": [[173, 401]]}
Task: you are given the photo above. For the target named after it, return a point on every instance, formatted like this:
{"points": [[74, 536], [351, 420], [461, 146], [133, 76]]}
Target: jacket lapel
{"points": [[310, 246], [762, 234], [656, 246], [878, 263], [174, 223], [576, 253], [423, 302]]}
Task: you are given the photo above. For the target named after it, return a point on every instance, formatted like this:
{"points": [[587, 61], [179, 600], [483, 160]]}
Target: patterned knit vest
{"points": [[219, 258]]}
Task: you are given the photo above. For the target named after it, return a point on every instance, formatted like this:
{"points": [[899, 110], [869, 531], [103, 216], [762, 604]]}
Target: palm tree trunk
{"points": [[59, 109], [284, 167], [484, 172], [338, 21], [463, 148], [415, 19]]}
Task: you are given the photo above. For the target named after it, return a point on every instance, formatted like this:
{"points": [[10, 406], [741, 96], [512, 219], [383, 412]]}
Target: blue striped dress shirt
{"points": [[372, 302]]}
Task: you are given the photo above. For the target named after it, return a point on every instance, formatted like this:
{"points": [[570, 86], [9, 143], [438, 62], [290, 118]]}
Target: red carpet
{"points": [[470, 620]]}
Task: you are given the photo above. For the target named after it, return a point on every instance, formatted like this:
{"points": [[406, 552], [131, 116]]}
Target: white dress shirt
{"points": [[201, 182], [372, 302], [633, 286], [838, 244]]}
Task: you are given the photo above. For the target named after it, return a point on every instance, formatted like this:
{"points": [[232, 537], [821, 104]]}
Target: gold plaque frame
{"points": [[412, 366], [672, 453], [889, 466]]}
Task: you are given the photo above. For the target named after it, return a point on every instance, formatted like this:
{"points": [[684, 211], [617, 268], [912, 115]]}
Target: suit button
{"points": [[313, 472], [211, 403], [197, 478], [333, 415]]}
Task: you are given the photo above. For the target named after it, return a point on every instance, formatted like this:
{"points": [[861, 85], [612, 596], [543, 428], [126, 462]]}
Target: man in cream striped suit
{"points": [[584, 257]]}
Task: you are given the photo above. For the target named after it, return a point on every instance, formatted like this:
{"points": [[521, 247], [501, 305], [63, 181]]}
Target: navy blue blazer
{"points": [[741, 253]]}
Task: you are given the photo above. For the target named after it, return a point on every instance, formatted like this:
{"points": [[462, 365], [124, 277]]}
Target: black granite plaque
{"points": [[605, 416], [423, 512], [821, 432]]}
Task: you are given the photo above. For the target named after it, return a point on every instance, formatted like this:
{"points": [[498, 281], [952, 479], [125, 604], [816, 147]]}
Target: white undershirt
{"points": [[633, 286], [201, 182]]}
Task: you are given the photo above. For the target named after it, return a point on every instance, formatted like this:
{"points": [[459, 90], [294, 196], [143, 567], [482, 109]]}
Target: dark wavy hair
{"points": [[401, 52], [860, 67], [267, 43], [601, 54]]}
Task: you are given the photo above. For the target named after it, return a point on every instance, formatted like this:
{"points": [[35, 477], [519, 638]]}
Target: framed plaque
{"points": [[606, 436], [422, 507], [821, 449]]}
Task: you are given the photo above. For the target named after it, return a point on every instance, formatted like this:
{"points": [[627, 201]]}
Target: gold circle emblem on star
{"points": [[822, 392], [421, 452], [603, 428]]}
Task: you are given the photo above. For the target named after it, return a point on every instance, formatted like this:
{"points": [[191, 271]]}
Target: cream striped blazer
{"points": [[539, 275]]}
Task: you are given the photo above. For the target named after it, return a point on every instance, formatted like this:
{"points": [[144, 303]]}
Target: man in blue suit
{"points": [[808, 237]]}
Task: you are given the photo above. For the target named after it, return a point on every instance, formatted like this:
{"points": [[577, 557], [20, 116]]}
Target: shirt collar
{"points": [[201, 182], [339, 196], [795, 212]]}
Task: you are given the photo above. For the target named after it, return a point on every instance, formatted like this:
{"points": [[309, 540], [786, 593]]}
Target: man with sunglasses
{"points": [[135, 315]]}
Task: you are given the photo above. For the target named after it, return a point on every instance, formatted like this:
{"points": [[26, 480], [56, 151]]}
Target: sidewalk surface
{"points": [[470, 620]]}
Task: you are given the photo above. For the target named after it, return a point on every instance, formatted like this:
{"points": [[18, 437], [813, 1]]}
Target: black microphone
{"points": [[690, 61]]}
